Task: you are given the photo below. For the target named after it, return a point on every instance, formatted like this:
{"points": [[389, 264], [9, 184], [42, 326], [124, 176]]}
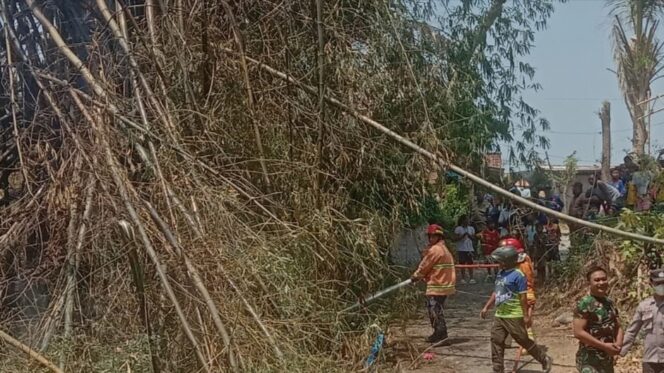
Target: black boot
{"points": [[436, 337]]}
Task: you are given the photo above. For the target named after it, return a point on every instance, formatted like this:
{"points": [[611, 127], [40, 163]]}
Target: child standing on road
{"points": [[511, 316]]}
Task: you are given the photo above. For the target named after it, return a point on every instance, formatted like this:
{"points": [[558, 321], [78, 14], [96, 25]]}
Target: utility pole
{"points": [[605, 117]]}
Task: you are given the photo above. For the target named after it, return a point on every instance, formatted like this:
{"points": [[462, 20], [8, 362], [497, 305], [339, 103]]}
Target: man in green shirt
{"points": [[597, 327]]}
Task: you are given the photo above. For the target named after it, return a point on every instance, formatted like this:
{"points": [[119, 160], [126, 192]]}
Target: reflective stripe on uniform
{"points": [[439, 287]]}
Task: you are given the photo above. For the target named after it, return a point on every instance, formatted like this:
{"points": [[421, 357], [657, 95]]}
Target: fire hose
{"points": [[398, 286]]}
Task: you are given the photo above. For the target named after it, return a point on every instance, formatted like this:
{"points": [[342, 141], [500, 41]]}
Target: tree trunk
{"points": [[605, 117], [640, 119], [640, 134]]}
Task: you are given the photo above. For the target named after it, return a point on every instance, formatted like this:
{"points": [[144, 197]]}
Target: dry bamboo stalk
{"points": [[71, 244], [149, 17], [120, 183], [155, 55], [196, 279], [321, 99], [87, 75], [444, 164], [194, 211], [134, 81], [90, 191], [165, 118], [142, 111], [32, 353], [13, 104], [155, 259], [62, 46], [180, 12], [73, 254], [247, 82], [113, 109], [162, 181], [50, 323], [199, 234]]}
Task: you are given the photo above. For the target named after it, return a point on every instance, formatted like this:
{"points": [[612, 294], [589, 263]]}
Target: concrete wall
{"points": [[407, 246]]}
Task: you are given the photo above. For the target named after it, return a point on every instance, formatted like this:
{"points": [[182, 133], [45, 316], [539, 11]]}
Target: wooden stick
{"points": [[32, 353], [447, 165]]}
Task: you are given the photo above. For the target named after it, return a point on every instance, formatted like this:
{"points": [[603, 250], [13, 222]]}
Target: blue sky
{"points": [[572, 57]]}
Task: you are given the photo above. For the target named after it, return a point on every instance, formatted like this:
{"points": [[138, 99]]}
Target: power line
{"points": [[597, 132]]}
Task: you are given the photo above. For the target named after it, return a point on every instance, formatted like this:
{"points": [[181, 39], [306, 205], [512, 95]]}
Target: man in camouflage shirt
{"points": [[597, 327]]}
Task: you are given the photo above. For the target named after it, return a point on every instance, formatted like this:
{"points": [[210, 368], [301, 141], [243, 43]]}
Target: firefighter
{"points": [[437, 270]]}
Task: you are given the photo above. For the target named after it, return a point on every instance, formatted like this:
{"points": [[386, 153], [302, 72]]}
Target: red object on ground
{"points": [[428, 356]]}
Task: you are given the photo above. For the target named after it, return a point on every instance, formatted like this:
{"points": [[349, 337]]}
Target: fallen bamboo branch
{"points": [[444, 164], [32, 353]]}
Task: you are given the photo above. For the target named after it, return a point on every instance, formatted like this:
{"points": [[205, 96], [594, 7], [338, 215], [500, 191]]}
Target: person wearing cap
{"points": [[437, 270], [511, 317], [649, 317]]}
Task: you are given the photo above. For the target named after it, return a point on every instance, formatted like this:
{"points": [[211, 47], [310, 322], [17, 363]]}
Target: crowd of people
{"points": [[525, 243], [596, 325], [635, 185], [539, 232]]}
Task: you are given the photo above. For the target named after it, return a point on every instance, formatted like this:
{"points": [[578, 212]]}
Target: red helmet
{"points": [[510, 241], [435, 229]]}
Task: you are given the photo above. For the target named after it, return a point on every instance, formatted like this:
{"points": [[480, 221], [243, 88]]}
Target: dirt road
{"points": [[470, 351]]}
